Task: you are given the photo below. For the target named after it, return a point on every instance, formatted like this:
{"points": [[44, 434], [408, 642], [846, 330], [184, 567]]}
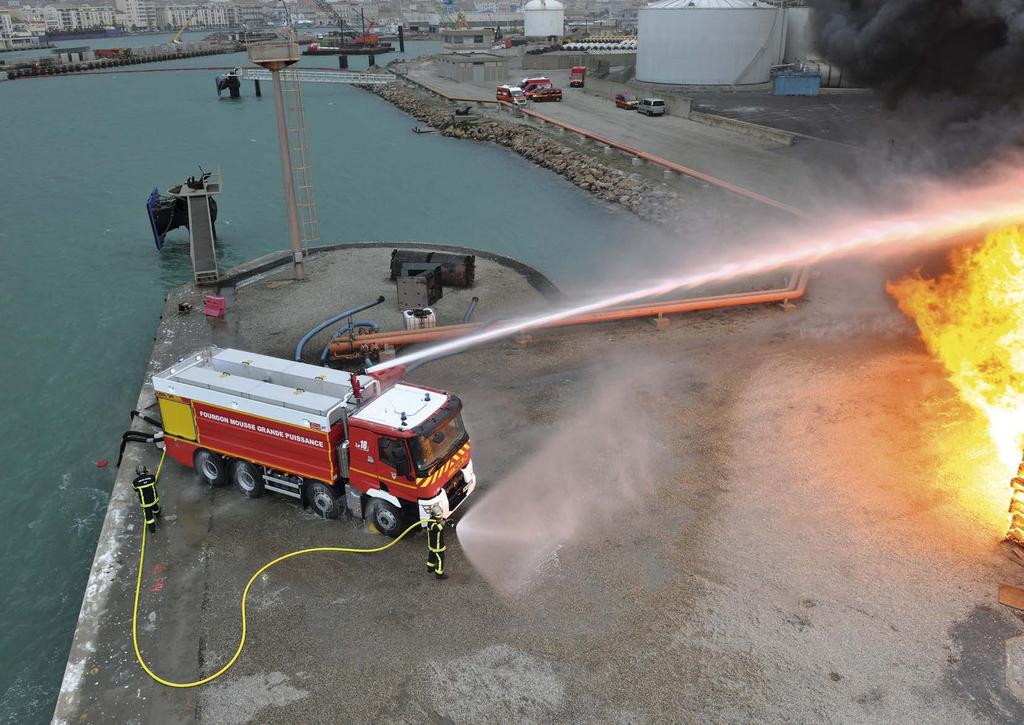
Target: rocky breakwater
{"points": [[645, 199]]}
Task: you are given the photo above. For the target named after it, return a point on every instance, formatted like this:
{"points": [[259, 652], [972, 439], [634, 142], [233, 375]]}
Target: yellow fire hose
{"points": [[245, 595]]}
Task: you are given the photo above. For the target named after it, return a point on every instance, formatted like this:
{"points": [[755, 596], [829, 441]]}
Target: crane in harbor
{"points": [[188, 21], [338, 18]]}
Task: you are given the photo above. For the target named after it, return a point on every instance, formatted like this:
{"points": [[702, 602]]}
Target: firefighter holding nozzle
{"points": [[145, 485], [435, 542]]}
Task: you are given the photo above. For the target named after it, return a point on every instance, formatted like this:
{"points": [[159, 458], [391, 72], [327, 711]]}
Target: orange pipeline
{"points": [[397, 338]]}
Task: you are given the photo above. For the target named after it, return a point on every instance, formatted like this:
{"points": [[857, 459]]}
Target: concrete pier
{"points": [[719, 524], [133, 56], [101, 660]]}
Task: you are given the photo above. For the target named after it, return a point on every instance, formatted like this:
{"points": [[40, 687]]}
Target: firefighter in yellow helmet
{"points": [[435, 542]]}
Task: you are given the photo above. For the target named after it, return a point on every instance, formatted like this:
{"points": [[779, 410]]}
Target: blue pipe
{"points": [[470, 310], [344, 329], [327, 323]]}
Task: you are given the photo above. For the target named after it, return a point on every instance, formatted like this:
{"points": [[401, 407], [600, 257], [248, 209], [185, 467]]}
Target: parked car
{"points": [[627, 101], [531, 89], [652, 106], [511, 94], [547, 93]]}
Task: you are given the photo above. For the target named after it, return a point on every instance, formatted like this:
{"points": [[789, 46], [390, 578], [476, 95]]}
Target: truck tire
{"points": [[211, 468], [248, 479], [386, 517], [322, 500]]}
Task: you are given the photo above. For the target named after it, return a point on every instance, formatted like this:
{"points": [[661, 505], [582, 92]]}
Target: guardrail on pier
{"points": [[319, 76]]}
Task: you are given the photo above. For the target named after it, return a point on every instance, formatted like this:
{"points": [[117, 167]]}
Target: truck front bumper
{"points": [[452, 496]]}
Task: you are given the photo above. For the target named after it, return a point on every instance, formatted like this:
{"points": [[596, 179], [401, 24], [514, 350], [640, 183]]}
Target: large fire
{"points": [[972, 320]]}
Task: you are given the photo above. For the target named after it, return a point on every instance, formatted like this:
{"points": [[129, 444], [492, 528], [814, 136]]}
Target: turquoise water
{"points": [[84, 286]]}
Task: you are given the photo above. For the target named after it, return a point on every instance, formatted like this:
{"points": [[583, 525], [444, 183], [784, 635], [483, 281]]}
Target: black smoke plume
{"points": [[958, 65]]}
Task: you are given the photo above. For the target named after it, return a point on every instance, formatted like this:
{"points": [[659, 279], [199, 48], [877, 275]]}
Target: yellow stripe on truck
{"points": [[455, 461]]}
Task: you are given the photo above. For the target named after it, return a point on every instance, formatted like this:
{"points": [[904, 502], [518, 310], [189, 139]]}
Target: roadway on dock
{"points": [[795, 175]]}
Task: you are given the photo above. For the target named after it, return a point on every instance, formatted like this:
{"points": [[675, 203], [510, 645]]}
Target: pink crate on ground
{"points": [[213, 306]]}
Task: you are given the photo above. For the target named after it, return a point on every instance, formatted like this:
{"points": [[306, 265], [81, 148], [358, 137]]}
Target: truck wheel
{"points": [[322, 500], [211, 468], [248, 479], [386, 517]]}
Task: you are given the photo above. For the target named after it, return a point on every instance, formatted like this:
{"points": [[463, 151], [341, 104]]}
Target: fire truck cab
{"points": [[382, 449]]}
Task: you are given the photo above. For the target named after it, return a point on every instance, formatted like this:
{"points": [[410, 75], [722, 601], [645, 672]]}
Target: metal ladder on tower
{"points": [[295, 125]]}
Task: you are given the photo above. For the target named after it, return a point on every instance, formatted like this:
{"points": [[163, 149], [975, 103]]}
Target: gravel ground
{"points": [[757, 515]]}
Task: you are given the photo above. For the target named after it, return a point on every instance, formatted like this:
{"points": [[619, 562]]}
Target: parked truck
{"points": [[378, 447], [577, 76]]}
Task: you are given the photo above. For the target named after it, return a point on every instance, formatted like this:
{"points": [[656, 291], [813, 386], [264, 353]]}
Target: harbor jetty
{"points": [[83, 60]]}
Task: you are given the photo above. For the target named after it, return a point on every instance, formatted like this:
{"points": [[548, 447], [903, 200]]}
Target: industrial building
{"points": [[467, 39], [473, 67], [719, 42]]}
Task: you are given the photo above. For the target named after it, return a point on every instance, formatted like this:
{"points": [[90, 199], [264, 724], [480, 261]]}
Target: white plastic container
{"points": [[419, 319]]}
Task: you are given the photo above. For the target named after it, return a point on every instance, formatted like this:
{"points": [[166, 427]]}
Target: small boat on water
{"points": [[418, 129]]}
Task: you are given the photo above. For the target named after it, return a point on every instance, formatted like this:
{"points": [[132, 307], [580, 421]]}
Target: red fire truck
{"points": [[577, 76], [383, 449]]}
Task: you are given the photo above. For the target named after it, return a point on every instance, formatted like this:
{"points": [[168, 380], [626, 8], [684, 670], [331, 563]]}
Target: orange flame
{"points": [[972, 320]]}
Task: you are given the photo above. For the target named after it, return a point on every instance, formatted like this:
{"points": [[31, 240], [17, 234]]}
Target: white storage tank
{"points": [[709, 42], [544, 19], [799, 35]]}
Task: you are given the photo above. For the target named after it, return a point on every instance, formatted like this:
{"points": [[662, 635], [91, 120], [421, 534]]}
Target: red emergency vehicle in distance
{"points": [[577, 76], [510, 94], [550, 93], [529, 85], [383, 449]]}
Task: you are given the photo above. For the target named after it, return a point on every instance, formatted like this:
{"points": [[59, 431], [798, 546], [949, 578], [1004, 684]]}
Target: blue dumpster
{"points": [[796, 83]]}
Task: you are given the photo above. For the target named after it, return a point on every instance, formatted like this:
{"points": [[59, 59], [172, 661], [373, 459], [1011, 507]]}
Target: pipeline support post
{"points": [[289, 182]]}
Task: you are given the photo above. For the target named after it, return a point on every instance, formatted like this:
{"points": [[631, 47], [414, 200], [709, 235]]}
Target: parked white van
{"points": [[652, 106]]}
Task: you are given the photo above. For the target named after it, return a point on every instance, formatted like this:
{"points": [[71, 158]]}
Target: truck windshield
{"points": [[435, 447]]}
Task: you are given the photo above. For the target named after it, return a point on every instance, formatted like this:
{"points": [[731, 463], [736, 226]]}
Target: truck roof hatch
{"points": [[417, 404]]}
